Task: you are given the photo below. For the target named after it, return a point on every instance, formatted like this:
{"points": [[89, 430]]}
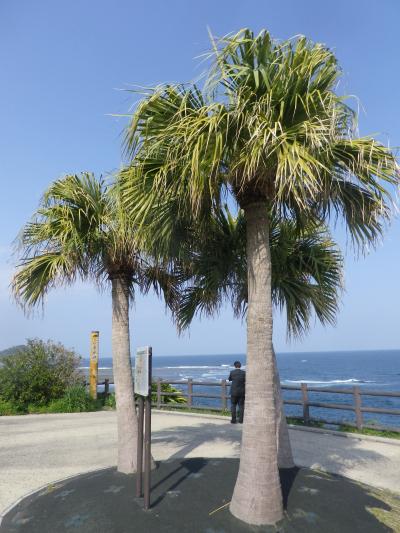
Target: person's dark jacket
{"points": [[238, 378]]}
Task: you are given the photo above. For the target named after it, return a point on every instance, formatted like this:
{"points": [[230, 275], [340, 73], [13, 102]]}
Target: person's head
{"points": [[237, 364]]}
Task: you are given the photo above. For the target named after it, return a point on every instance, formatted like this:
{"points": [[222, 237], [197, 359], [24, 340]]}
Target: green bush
{"points": [[165, 387], [8, 408], [75, 400], [39, 374], [110, 401]]}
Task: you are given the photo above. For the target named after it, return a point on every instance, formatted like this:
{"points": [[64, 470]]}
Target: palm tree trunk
{"points": [[285, 455], [257, 497], [127, 424]]}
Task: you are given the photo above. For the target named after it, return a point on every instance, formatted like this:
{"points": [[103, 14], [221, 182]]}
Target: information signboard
{"points": [[142, 371]]}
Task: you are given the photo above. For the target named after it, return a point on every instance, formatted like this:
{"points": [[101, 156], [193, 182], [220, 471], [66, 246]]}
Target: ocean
{"points": [[375, 370]]}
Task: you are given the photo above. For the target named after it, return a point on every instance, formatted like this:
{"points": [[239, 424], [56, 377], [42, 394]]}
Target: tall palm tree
{"points": [[81, 231], [269, 130], [306, 280]]}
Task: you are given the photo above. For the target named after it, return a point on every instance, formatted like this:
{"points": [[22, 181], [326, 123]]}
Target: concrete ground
{"points": [[36, 450]]}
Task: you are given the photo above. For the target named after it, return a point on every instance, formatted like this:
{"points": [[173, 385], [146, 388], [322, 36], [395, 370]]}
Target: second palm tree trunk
{"points": [[127, 424], [257, 497], [285, 454]]}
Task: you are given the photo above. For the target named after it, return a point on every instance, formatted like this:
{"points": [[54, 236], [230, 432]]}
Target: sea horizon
{"points": [[300, 352]]}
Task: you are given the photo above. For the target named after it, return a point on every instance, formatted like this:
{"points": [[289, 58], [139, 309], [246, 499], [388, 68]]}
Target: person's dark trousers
{"points": [[237, 404]]}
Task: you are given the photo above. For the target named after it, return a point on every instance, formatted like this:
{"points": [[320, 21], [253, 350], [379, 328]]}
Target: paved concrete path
{"points": [[39, 449]]}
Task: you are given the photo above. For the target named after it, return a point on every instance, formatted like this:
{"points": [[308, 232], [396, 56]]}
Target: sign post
{"points": [[143, 373]]}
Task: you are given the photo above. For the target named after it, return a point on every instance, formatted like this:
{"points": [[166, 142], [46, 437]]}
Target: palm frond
{"points": [[306, 272], [269, 126], [37, 275], [82, 230]]}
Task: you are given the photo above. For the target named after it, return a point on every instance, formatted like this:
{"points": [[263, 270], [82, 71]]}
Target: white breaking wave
{"points": [[194, 367], [351, 380]]}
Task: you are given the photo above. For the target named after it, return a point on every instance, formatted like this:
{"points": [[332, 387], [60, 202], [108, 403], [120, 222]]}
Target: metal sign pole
{"points": [[143, 378], [139, 473], [147, 439]]}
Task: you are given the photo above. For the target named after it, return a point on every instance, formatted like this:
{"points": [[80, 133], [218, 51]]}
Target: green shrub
{"points": [[110, 401], [33, 409], [166, 387], [39, 374], [8, 408], [75, 400]]}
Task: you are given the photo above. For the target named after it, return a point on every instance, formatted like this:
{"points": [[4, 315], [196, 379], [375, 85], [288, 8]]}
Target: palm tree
{"points": [[306, 279], [81, 231], [268, 130]]}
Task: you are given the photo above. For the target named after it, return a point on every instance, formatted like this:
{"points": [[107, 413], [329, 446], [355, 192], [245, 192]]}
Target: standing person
{"points": [[238, 379]]}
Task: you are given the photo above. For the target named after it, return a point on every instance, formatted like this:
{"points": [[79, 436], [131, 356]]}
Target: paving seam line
{"points": [[196, 415]]}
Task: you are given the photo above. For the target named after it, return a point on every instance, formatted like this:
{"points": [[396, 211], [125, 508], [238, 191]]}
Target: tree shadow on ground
{"points": [[287, 478], [320, 451], [184, 469], [363, 460], [222, 440], [360, 459]]}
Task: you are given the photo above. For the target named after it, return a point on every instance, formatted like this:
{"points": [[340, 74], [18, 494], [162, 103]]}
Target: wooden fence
{"points": [[356, 406]]}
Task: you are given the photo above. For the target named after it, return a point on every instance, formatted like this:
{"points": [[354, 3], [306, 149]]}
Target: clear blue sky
{"points": [[64, 66]]}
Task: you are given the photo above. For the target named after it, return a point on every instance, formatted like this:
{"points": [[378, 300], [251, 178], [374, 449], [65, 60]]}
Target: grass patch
{"points": [[300, 422], [390, 517], [75, 400], [374, 432]]}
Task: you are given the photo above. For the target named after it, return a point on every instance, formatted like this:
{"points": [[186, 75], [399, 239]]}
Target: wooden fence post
{"points": [[158, 393], [106, 388], [190, 392], [223, 395], [94, 364], [357, 407], [306, 408]]}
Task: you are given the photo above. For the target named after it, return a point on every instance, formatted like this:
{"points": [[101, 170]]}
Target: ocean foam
{"points": [[192, 367], [351, 380]]}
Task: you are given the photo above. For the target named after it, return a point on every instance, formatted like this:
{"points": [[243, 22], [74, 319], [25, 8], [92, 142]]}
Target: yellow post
{"points": [[94, 364]]}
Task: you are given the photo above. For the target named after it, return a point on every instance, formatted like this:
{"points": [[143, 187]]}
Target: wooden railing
{"points": [[357, 406]]}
